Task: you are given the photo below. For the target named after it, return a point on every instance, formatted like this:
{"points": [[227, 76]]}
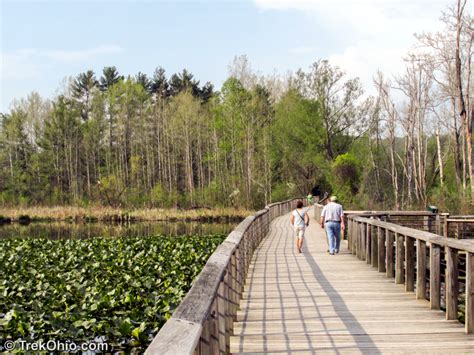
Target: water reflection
{"points": [[64, 230]]}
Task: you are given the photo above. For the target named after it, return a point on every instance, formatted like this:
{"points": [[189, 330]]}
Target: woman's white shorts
{"points": [[299, 232]]}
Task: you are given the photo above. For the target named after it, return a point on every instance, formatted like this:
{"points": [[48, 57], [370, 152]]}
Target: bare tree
{"points": [[391, 118]]}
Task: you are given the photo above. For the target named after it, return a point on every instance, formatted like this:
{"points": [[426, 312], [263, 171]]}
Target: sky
{"points": [[43, 42]]}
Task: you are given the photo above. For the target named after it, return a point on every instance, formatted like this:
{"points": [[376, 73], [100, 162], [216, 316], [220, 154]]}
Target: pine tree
{"points": [[110, 76]]}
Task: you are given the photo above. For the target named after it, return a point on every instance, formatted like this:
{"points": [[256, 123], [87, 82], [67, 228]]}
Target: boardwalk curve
{"points": [[317, 303]]}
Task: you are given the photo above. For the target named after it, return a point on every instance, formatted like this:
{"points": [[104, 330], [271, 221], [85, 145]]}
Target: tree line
{"points": [[159, 141]]}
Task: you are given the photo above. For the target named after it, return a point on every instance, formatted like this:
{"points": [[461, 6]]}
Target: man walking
{"points": [[332, 217]]}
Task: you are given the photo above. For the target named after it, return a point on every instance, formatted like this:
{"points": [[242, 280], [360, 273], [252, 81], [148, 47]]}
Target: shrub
{"points": [[345, 178]]}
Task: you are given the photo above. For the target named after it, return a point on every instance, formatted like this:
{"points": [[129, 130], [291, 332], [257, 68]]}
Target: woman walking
{"points": [[299, 220]]}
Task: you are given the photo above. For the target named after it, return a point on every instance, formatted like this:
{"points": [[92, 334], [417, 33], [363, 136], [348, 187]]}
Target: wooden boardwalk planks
{"points": [[317, 303]]}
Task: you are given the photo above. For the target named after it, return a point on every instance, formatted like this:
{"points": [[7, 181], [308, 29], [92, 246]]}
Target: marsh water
{"points": [[67, 230]]}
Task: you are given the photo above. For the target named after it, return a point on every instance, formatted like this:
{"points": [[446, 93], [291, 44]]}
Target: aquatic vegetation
{"points": [[123, 289]]}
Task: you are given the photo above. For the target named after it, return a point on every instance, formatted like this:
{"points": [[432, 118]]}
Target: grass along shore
{"points": [[109, 214]]}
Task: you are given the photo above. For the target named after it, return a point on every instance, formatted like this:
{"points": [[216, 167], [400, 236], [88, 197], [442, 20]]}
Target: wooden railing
{"points": [[203, 321], [415, 258], [458, 227]]}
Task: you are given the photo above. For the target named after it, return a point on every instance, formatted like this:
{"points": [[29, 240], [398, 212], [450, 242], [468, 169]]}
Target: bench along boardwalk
{"points": [[385, 292], [315, 302]]}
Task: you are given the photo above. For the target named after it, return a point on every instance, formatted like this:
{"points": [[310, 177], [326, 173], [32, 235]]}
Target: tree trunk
{"points": [[440, 157], [462, 105]]}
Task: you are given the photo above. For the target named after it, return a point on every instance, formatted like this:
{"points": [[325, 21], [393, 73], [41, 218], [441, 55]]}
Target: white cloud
{"points": [[363, 60], [366, 35], [366, 17]]}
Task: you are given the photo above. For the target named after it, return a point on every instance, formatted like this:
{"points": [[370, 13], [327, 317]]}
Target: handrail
{"points": [[203, 322], [387, 213], [457, 227], [462, 245], [373, 240]]}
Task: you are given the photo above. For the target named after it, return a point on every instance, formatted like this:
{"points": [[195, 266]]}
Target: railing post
{"points": [[435, 276], [355, 239], [221, 318], [469, 316], [429, 222], [399, 276], [232, 289], [363, 240], [353, 236], [463, 230], [240, 279], [389, 257], [438, 224], [420, 269], [374, 247], [349, 230], [445, 226], [368, 243], [204, 346], [409, 264], [381, 249], [451, 283], [229, 319], [214, 328]]}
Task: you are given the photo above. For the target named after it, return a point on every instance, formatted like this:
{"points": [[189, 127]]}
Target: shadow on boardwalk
{"points": [[287, 272], [316, 303], [350, 321]]}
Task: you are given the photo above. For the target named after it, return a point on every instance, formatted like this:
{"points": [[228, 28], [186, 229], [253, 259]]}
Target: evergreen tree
{"points": [[82, 88], [144, 81], [110, 76], [159, 84], [206, 92], [184, 81]]}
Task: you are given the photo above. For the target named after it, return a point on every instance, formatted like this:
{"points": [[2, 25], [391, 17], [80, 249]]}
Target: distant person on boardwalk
{"points": [[332, 217], [299, 220], [309, 199]]}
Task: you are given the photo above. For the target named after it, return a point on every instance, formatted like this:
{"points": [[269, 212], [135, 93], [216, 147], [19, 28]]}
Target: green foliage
{"points": [[298, 140], [154, 141], [211, 195], [109, 77], [82, 89], [283, 191], [158, 196], [112, 190], [123, 288], [450, 198], [345, 177]]}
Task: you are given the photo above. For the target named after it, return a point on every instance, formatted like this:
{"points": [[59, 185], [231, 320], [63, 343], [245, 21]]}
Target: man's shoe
{"points": [[337, 251], [331, 253]]}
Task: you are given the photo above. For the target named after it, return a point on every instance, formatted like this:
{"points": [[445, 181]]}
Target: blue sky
{"points": [[43, 42]]}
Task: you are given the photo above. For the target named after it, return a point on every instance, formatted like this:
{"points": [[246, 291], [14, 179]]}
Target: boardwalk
{"points": [[317, 303]]}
